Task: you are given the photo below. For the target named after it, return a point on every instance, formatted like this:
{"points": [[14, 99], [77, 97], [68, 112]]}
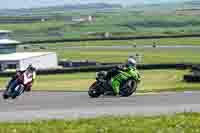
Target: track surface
{"points": [[70, 105]]}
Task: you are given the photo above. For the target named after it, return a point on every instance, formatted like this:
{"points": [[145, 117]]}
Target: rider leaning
{"points": [[29, 69], [117, 79]]}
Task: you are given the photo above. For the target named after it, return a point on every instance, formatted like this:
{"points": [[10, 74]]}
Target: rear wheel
{"points": [[13, 97], [94, 90]]}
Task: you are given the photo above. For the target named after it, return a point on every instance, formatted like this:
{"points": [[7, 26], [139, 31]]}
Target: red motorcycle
{"points": [[17, 87]]}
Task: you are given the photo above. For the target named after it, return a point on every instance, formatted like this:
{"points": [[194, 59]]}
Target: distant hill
{"points": [[54, 9], [176, 4], [67, 7], [91, 6], [193, 2], [97, 6]]}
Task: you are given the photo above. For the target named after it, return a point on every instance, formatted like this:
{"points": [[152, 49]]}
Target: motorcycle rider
{"points": [[29, 69], [116, 78]]}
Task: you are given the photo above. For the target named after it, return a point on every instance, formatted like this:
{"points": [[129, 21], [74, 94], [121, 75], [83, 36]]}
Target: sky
{"points": [[15, 4]]}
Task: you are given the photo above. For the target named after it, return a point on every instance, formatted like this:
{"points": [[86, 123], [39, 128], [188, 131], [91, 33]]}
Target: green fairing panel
{"points": [[124, 75]]}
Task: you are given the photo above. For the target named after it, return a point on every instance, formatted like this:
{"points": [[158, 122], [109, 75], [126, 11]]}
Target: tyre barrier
{"points": [[63, 70], [196, 67], [108, 38], [191, 78], [164, 66], [101, 68], [66, 64], [77, 63]]}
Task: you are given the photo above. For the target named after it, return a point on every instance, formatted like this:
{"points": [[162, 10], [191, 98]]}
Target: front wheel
{"points": [[17, 91], [6, 93], [5, 96], [94, 90], [129, 88]]}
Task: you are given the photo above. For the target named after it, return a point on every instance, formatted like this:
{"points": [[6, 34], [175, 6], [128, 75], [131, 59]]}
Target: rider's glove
{"points": [[120, 67]]}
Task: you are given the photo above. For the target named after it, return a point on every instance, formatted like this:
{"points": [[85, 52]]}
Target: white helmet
{"points": [[131, 62]]}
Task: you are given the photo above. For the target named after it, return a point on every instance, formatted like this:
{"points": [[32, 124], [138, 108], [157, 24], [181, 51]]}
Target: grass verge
{"points": [[176, 123], [148, 55]]}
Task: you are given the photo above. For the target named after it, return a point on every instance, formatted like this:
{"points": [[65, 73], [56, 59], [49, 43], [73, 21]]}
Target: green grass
{"points": [[121, 23], [33, 27], [152, 81], [152, 55], [176, 123]]}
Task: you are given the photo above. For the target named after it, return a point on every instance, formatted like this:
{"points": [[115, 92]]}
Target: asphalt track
{"points": [[72, 105]]}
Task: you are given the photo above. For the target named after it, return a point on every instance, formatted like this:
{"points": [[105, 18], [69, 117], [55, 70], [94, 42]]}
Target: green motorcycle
{"points": [[103, 84]]}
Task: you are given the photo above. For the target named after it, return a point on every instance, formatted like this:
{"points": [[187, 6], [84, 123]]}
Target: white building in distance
{"points": [[40, 60], [83, 19], [10, 59]]}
